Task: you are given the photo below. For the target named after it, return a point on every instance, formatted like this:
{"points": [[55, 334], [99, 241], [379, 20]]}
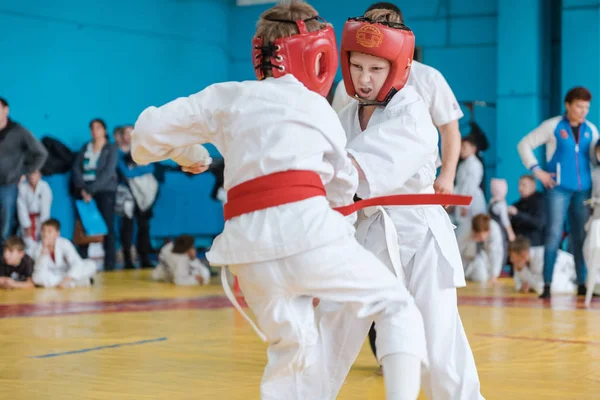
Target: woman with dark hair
{"points": [[95, 177]]}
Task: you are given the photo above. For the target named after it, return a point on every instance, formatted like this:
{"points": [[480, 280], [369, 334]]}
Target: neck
{"points": [[3, 124], [100, 142], [573, 122], [365, 114]]}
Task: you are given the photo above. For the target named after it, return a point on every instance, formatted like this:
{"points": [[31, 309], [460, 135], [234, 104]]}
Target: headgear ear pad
{"points": [[298, 55]]}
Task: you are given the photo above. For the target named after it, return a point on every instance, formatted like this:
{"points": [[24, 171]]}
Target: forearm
{"points": [[450, 136]]}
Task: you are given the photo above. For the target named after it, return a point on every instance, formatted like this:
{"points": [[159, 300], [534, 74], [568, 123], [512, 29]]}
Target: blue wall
{"points": [[65, 62], [68, 61]]}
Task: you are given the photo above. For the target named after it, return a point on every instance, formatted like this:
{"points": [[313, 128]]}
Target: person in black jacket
{"points": [[95, 177], [528, 215]]}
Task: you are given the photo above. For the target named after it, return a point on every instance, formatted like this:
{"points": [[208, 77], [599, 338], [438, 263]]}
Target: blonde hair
{"points": [[383, 15], [269, 29], [519, 245]]}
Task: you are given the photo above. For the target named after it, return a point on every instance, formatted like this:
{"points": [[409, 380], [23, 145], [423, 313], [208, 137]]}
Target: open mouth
{"points": [[364, 92]]}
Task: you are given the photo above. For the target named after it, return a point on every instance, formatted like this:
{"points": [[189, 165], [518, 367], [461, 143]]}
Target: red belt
{"points": [[292, 186], [33, 218]]}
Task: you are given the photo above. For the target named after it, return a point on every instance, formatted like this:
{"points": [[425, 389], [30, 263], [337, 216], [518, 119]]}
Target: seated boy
{"points": [[178, 264], [16, 267], [482, 249], [528, 263], [57, 263]]}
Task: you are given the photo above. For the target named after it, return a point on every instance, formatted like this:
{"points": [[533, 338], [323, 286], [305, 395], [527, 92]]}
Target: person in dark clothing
{"points": [[127, 170], [95, 177], [528, 215], [20, 154], [16, 267]]}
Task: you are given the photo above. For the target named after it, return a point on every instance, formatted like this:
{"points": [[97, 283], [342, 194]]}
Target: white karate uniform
{"points": [[397, 153], [286, 255], [179, 269], [49, 272], [468, 183], [430, 84], [33, 204], [563, 278], [485, 263]]}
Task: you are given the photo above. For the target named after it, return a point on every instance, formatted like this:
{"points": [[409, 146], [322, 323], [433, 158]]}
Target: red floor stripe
{"points": [[535, 339], [217, 302]]}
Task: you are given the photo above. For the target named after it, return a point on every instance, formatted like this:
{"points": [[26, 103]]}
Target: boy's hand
{"points": [[4, 282], [444, 184], [512, 210], [86, 196], [525, 287], [196, 168], [200, 279]]}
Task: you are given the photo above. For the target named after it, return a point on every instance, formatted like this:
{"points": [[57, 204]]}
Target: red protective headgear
{"points": [[298, 55], [394, 42]]}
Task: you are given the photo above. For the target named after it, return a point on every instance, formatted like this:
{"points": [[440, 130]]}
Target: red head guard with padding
{"points": [[394, 42], [298, 55]]}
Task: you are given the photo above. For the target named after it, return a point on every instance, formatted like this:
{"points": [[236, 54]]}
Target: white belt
{"points": [[237, 306]]}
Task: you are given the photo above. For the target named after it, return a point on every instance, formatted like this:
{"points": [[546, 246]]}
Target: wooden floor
{"points": [[129, 338]]}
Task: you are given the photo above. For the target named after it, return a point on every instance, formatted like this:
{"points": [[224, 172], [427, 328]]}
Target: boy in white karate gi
{"points": [[286, 168], [33, 207], [393, 144], [482, 249], [57, 263], [528, 263], [178, 264]]}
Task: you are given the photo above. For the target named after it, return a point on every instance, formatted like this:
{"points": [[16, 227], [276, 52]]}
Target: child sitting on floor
{"points": [[178, 264], [16, 267], [57, 263]]}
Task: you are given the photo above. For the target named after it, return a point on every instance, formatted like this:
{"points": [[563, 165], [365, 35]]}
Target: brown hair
{"points": [[53, 223], [578, 93], [14, 243], [383, 15], [269, 29], [527, 176], [183, 243], [480, 223], [519, 245]]}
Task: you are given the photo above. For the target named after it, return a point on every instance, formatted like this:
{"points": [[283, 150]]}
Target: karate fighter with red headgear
{"points": [[393, 144], [286, 168]]}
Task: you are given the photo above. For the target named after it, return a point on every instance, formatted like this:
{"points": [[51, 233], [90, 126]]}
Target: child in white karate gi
{"points": [[393, 143], [178, 264], [57, 263], [286, 168]]}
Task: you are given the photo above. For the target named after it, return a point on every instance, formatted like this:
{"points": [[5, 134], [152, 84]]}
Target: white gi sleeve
{"points": [[178, 129], [22, 211], [342, 187], [443, 105], [46, 201], [72, 258], [390, 153], [537, 137]]}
